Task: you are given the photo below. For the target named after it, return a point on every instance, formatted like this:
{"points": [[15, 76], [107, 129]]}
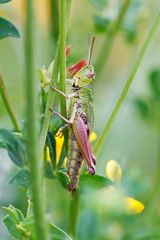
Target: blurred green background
{"points": [[134, 139]]}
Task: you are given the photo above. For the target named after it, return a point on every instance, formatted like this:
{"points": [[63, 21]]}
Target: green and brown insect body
{"points": [[80, 119], [78, 142]]}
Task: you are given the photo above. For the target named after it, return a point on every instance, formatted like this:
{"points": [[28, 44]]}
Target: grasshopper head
{"points": [[85, 76]]}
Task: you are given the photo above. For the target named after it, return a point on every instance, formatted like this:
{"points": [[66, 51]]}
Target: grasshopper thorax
{"points": [[84, 77]]}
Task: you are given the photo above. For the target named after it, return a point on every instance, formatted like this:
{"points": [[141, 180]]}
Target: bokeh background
{"points": [[133, 140]]}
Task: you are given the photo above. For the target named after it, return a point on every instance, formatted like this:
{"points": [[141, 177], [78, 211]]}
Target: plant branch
{"points": [[54, 19], [50, 98], [8, 105], [122, 97], [110, 36], [73, 214], [32, 120], [62, 40]]}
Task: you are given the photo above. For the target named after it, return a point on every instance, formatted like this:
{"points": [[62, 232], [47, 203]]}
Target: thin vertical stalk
{"points": [[50, 98], [74, 213], [54, 16], [109, 39], [62, 40], [8, 105], [31, 109], [124, 92]]}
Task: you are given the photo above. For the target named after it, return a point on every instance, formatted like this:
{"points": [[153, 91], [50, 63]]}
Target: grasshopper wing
{"points": [[81, 135]]}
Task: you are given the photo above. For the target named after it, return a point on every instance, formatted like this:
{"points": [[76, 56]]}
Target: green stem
{"points": [[8, 105], [74, 213], [32, 121], [50, 98], [110, 36], [54, 22], [62, 39], [122, 97]]}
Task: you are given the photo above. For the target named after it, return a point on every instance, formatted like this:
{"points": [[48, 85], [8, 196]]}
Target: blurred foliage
{"points": [[103, 213], [15, 146], [7, 29], [148, 106]]}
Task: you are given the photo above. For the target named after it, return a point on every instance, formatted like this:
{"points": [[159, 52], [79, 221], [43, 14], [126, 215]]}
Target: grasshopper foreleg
{"points": [[67, 96], [68, 122], [59, 115]]}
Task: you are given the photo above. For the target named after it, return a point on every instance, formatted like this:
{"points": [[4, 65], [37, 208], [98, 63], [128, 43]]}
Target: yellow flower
{"points": [[133, 206], [48, 155], [59, 145], [113, 171], [93, 137]]}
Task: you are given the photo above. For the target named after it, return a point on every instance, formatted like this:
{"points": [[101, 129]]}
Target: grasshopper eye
{"points": [[91, 74]]}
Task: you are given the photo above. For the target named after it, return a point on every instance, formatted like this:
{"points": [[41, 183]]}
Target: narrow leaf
{"points": [[7, 29], [58, 234], [51, 143]]}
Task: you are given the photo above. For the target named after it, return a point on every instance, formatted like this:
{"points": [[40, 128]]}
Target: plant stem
{"points": [[110, 36], [50, 98], [74, 213], [62, 40], [54, 21], [8, 105], [124, 92], [32, 120]]}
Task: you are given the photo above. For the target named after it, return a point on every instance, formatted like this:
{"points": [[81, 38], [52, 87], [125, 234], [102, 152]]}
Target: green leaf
{"points": [[100, 4], [51, 143], [56, 123], [63, 177], [57, 233], [49, 173], [4, 1], [15, 213], [93, 182], [143, 107], [15, 146], [101, 23], [7, 29], [21, 178], [11, 211], [62, 157], [154, 79], [12, 227], [130, 28]]}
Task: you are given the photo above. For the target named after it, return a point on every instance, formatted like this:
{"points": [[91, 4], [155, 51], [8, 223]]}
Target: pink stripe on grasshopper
{"points": [[81, 135], [77, 67]]}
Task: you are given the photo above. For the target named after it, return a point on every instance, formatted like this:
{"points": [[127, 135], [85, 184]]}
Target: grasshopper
{"points": [[79, 119]]}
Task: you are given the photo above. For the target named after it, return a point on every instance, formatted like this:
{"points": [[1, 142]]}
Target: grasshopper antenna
{"points": [[90, 44]]}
